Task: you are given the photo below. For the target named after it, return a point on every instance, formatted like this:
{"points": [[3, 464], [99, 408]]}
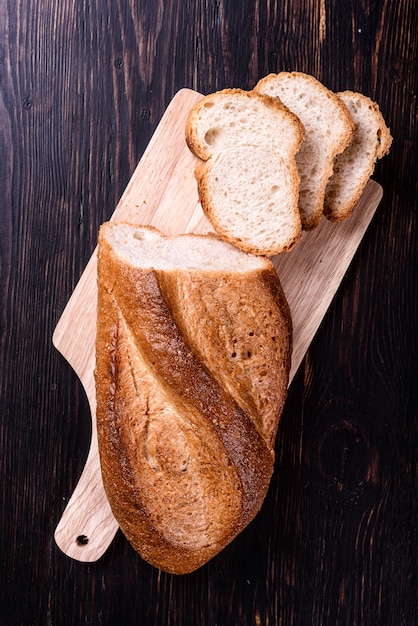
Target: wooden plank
{"points": [[163, 193]]}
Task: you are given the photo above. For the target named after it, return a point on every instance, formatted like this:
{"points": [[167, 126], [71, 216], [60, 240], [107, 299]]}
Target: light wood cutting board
{"points": [[163, 193]]}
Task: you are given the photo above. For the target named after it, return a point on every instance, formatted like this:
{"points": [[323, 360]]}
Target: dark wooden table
{"points": [[82, 87]]}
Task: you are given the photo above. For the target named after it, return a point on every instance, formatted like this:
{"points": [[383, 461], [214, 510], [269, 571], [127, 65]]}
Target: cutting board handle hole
{"points": [[82, 540]]}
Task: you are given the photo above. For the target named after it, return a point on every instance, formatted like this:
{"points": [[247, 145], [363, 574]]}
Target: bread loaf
{"points": [[354, 166], [328, 130], [192, 363], [247, 176]]}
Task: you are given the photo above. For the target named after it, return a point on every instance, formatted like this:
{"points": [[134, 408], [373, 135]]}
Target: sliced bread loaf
{"points": [[193, 352], [247, 178], [354, 166], [328, 130]]}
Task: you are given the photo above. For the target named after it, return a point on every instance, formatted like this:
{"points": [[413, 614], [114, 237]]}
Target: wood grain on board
{"points": [[162, 192]]}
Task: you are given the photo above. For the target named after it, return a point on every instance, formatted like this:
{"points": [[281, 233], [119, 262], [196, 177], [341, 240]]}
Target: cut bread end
{"points": [[146, 247]]}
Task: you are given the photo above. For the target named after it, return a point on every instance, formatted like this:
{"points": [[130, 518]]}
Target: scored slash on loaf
{"points": [[193, 356]]}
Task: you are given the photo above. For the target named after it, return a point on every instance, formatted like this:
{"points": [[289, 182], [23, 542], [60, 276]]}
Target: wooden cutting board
{"points": [[163, 193]]}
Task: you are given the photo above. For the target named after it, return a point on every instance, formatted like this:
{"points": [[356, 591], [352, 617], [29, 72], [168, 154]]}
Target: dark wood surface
{"points": [[82, 87]]}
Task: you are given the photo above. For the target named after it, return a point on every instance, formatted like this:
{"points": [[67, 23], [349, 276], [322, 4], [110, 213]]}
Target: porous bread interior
{"points": [[232, 119], [146, 248], [261, 215], [354, 166], [248, 185], [325, 127]]}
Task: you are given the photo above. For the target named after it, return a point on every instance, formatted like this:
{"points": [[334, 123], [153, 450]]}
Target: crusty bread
{"points": [[354, 166], [328, 130], [192, 364], [247, 177]]}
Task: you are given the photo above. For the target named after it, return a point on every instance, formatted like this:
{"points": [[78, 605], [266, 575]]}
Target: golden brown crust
{"points": [[184, 466], [233, 338]]}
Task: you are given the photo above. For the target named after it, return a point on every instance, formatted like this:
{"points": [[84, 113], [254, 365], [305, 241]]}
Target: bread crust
{"points": [[270, 84], [207, 444], [335, 209]]}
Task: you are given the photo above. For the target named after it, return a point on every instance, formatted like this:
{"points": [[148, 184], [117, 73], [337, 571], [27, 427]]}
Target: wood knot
{"points": [[344, 463]]}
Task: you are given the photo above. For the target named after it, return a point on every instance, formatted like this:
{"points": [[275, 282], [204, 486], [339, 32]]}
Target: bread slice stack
{"points": [[328, 131], [260, 174], [192, 365]]}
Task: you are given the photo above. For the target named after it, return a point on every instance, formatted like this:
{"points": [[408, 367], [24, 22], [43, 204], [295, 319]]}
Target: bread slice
{"points": [[192, 365], [328, 130], [354, 166], [247, 177]]}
